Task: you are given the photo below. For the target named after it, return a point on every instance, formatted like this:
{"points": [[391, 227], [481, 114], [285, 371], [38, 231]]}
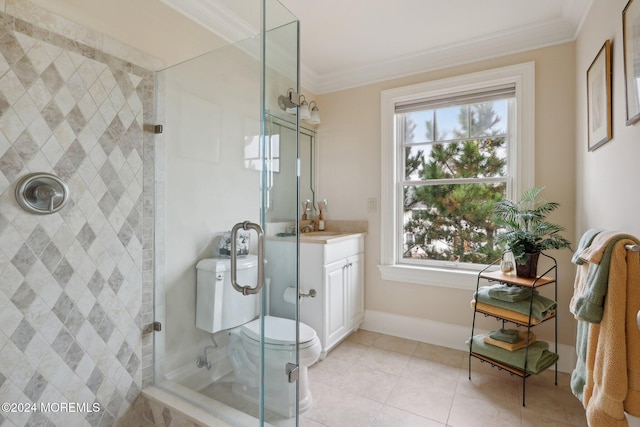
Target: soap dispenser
{"points": [[322, 206]]}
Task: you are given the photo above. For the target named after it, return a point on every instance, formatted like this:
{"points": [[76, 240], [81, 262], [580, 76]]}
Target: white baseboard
{"points": [[443, 334]]}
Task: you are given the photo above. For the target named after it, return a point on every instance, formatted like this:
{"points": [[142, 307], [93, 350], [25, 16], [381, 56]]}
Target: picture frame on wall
{"points": [[631, 47], [599, 98]]}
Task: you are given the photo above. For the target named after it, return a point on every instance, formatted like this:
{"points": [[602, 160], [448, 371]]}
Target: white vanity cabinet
{"points": [[334, 267]]}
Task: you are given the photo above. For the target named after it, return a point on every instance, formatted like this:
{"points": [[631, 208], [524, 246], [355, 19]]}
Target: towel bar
{"points": [[633, 248]]}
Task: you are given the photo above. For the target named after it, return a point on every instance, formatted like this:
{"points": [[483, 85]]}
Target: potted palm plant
{"points": [[527, 231]]}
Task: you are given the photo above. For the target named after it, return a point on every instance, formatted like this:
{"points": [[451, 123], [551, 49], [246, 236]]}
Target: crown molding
{"points": [[490, 46], [214, 17]]}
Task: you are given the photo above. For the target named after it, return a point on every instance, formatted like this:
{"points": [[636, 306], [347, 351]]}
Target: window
{"points": [[450, 148]]}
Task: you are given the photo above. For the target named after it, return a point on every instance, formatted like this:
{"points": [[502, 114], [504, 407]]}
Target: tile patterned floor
{"points": [[377, 380]]}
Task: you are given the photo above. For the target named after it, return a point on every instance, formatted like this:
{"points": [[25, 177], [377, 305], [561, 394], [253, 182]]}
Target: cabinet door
{"points": [[355, 290], [335, 309]]}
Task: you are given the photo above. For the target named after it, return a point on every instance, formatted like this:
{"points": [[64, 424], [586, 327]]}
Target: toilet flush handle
{"points": [[246, 289], [312, 293]]}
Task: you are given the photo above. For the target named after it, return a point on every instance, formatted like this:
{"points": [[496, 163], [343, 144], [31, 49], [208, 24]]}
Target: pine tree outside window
{"points": [[450, 150], [455, 169]]}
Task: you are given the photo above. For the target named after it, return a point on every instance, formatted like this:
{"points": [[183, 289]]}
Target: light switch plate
{"points": [[372, 204]]}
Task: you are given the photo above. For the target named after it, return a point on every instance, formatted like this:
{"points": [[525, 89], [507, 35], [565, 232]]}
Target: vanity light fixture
{"points": [[289, 102], [293, 103], [314, 116], [304, 109]]}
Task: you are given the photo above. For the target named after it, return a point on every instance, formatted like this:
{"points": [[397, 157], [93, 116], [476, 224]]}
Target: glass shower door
{"points": [[280, 215], [219, 163]]}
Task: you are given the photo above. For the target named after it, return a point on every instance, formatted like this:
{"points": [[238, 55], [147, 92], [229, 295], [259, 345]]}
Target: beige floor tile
{"points": [[469, 411], [319, 390], [400, 345], [555, 402], [367, 382], [339, 408], [308, 422], [423, 398], [493, 387], [371, 380], [327, 371], [537, 419], [348, 351], [430, 371], [387, 361], [443, 355], [394, 417], [363, 337]]}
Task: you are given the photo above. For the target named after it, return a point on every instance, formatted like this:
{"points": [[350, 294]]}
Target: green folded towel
{"points": [[539, 357], [510, 293], [540, 306], [579, 374], [506, 335]]}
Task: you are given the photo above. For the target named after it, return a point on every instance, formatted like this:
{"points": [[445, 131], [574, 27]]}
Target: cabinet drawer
{"points": [[342, 249]]}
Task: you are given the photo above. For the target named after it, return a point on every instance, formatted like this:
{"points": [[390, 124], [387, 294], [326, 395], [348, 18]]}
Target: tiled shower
{"points": [[76, 287]]}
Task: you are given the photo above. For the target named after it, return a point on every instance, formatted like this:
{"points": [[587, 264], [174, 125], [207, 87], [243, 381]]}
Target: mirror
{"points": [[281, 147]]}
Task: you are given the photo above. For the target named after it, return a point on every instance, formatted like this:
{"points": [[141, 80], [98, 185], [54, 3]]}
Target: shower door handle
{"points": [[247, 290]]}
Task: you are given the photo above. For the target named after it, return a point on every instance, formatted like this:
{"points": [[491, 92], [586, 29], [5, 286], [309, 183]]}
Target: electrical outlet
{"points": [[372, 204]]}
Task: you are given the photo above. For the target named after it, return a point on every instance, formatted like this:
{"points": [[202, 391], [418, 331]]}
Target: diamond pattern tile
{"points": [[23, 334], [52, 115], [38, 240], [23, 297], [71, 287], [24, 259]]}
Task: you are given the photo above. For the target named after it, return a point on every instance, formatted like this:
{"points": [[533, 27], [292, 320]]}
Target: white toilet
{"points": [[220, 307]]}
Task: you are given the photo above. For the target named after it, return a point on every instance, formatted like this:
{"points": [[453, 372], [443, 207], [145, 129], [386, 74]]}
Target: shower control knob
{"points": [[42, 193], [46, 193]]}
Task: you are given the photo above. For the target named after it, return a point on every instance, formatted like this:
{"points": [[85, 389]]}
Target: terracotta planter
{"points": [[530, 268]]}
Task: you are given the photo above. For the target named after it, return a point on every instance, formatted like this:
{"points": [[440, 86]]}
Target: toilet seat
{"points": [[279, 332]]}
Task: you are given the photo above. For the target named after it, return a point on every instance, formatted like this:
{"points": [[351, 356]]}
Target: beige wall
{"points": [[607, 178], [349, 173]]}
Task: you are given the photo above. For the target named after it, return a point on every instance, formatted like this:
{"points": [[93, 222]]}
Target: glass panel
{"points": [[418, 127], [220, 162], [280, 215], [451, 222], [451, 123], [474, 158], [208, 179], [489, 118]]}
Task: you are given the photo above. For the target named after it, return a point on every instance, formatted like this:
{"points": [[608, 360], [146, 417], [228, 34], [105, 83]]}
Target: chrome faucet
{"points": [[306, 228]]}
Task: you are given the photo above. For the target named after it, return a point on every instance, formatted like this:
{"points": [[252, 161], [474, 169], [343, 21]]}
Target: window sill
{"points": [[441, 277]]}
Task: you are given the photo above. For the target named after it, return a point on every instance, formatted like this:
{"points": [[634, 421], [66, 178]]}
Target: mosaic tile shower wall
{"points": [[75, 286]]}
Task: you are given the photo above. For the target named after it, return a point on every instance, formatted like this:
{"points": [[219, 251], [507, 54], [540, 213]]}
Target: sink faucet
{"points": [[308, 227]]}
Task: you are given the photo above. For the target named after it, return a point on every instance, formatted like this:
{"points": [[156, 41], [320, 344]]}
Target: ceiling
{"points": [[343, 43], [346, 43]]}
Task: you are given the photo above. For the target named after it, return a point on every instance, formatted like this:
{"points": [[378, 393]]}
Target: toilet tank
{"points": [[218, 305]]}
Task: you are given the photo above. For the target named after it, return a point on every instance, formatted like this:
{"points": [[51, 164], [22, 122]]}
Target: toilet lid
{"points": [[278, 331]]}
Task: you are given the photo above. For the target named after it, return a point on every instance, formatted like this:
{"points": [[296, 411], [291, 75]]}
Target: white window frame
{"points": [[521, 165]]}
